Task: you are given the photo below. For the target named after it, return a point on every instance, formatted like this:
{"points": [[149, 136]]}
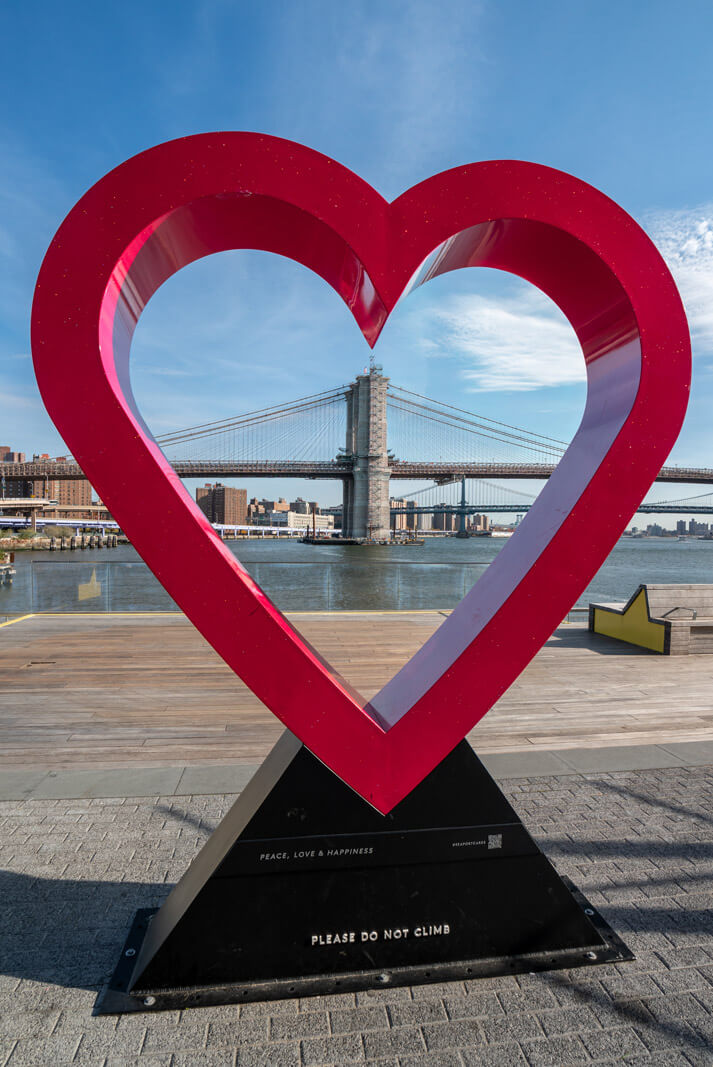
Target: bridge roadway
{"points": [[676, 508], [342, 468]]}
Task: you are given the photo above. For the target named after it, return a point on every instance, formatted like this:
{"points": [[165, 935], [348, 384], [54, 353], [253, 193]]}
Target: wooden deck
{"points": [[118, 691]]}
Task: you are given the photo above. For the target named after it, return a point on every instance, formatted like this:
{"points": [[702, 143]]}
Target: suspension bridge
{"points": [[469, 497], [366, 434]]}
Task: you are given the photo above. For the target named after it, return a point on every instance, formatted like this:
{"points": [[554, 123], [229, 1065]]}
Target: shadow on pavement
{"points": [[66, 932]]}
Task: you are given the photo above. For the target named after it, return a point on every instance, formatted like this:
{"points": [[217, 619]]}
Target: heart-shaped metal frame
{"points": [[208, 193]]}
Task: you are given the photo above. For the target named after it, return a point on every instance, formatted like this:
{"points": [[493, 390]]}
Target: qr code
{"points": [[495, 840]]}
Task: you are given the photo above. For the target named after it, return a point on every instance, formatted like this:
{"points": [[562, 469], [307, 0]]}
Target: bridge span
{"points": [[341, 468], [365, 435], [675, 507]]}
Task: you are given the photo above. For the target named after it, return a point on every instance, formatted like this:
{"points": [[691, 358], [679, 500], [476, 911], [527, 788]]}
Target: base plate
{"points": [[116, 997], [304, 888]]}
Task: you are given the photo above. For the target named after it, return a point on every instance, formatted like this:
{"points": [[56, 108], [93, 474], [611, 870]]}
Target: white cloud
{"points": [[685, 239], [522, 342], [414, 74], [14, 400], [514, 343]]}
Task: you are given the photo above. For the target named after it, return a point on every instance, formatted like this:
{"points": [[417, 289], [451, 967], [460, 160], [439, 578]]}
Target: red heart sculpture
{"points": [[189, 198]]}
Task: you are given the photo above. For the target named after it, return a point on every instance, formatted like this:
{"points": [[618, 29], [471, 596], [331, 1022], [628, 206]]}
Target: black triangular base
{"points": [[305, 888]]}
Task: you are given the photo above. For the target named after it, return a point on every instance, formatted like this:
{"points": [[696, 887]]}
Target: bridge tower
{"points": [[365, 510], [462, 520]]}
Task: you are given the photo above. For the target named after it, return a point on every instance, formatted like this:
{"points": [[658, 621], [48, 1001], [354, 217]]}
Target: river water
{"points": [[305, 577]]}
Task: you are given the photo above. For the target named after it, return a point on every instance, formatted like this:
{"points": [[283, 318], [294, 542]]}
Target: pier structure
{"points": [[365, 510]]}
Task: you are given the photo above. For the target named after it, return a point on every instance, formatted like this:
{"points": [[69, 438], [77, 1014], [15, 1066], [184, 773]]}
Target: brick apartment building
{"points": [[74, 493], [275, 505], [6, 456], [223, 504]]}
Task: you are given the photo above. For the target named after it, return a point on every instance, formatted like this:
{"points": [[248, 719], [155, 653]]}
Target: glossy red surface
{"points": [[192, 197]]}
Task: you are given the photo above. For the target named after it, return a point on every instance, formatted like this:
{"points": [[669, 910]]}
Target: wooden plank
{"points": [[112, 691]]}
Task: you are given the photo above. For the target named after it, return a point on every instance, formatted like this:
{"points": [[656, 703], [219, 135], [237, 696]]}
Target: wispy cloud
{"points": [[685, 239], [10, 400], [29, 199], [522, 342], [514, 343], [408, 74], [31, 204]]}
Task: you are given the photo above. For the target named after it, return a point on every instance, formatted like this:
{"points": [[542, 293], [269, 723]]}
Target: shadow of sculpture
{"points": [[656, 801], [653, 880], [67, 932]]}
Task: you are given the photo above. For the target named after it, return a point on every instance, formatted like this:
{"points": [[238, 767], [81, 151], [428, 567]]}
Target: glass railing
{"points": [[56, 586]]}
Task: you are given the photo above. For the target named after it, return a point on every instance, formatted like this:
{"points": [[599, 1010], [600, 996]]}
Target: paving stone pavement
{"points": [[639, 844]]}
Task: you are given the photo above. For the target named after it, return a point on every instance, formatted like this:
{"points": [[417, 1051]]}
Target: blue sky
{"points": [[619, 94]]}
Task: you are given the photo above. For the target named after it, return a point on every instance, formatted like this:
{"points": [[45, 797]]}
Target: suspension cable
{"points": [[523, 442], [315, 399], [397, 388]]}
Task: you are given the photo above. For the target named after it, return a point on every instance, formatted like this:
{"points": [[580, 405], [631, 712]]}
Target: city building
{"points": [[275, 505], [405, 519], [223, 504], [268, 512], [445, 520], [304, 507], [6, 456], [697, 528], [294, 520], [481, 523], [76, 492], [73, 492], [70, 493]]}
